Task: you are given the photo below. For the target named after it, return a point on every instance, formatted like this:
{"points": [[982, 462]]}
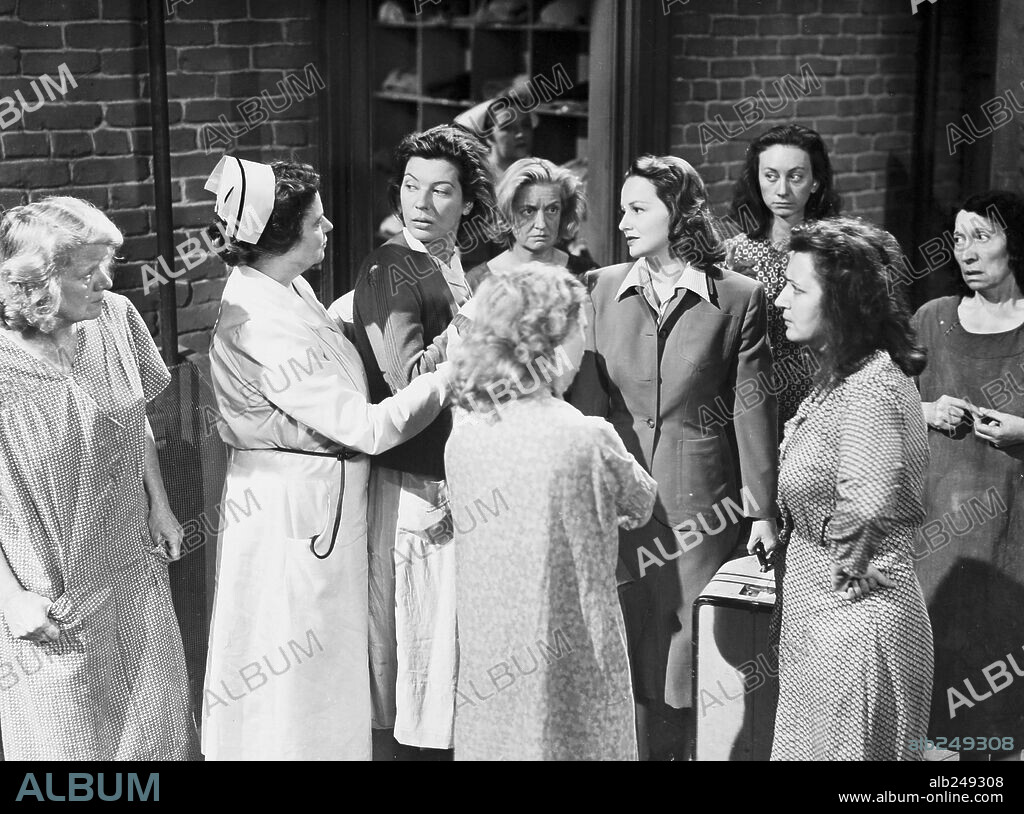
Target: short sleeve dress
{"points": [[73, 526], [538, 494], [790, 366], [969, 555]]}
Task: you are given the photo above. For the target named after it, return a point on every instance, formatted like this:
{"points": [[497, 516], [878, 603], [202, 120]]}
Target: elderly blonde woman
{"points": [[91, 662], [540, 205], [538, 493]]}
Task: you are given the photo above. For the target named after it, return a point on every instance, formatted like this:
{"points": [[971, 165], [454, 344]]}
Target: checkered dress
{"points": [[855, 676], [73, 526]]}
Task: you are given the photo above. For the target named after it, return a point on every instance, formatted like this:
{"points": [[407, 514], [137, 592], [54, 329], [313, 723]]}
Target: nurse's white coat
{"points": [[287, 674]]}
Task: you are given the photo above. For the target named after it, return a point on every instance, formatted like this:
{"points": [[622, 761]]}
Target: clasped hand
{"points": [[28, 617], [166, 532], [994, 426], [858, 587]]}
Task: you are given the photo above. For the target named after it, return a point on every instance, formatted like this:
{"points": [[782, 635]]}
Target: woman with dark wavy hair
{"points": [[287, 676], [970, 557], [678, 362], [564, 484], [407, 294], [786, 179], [855, 645]]}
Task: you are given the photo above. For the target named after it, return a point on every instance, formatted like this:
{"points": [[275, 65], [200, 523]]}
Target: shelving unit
{"points": [[453, 63]]}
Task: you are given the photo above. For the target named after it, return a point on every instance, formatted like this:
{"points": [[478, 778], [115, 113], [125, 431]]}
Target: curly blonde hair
{"points": [[527, 171], [522, 316], [36, 241]]}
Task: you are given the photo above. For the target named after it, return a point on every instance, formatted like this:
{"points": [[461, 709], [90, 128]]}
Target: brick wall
{"points": [[863, 52], [94, 140]]}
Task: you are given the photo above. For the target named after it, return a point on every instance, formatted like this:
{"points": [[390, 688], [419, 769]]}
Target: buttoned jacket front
{"points": [[690, 392]]}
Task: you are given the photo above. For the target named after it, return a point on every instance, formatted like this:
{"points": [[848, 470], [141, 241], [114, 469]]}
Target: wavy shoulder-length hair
{"points": [[1003, 210], [748, 209], [522, 316], [693, 233], [295, 188], [527, 171], [856, 264], [36, 243], [468, 155]]}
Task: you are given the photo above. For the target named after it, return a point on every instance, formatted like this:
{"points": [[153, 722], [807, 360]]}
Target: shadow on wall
{"points": [[193, 462]]}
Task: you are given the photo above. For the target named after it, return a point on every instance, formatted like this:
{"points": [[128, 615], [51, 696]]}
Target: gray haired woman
{"points": [[91, 661], [540, 205]]}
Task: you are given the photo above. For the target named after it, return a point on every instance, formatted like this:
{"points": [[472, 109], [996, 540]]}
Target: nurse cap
{"points": [[245, 196]]}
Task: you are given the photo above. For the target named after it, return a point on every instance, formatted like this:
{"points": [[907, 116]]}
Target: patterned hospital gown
{"points": [[537, 499], [855, 676], [73, 525]]}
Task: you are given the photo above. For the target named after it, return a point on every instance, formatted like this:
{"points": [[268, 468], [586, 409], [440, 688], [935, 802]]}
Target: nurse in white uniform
{"points": [[287, 673]]}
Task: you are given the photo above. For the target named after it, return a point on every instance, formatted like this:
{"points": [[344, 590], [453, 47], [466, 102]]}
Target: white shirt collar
{"points": [[455, 265], [691, 278]]}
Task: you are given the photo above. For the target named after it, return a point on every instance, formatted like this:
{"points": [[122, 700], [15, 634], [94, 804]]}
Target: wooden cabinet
{"points": [[429, 67], [601, 92]]}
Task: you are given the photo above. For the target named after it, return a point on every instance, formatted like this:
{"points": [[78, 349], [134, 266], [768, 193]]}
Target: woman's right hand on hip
{"points": [[27, 616]]}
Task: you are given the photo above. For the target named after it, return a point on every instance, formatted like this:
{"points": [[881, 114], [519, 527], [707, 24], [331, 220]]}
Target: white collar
{"points": [[691, 278], [417, 246]]}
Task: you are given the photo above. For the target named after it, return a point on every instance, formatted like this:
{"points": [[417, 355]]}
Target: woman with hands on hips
{"points": [[86, 621], [855, 644], [969, 555]]}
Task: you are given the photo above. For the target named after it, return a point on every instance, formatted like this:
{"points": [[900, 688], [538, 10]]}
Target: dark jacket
{"points": [[402, 304]]}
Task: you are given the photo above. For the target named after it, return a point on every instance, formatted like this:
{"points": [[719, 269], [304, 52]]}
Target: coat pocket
{"points": [[701, 474], [307, 509]]}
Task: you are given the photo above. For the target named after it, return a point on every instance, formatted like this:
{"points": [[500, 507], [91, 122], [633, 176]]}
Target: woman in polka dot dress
{"points": [[855, 643], [786, 179], [91, 662]]}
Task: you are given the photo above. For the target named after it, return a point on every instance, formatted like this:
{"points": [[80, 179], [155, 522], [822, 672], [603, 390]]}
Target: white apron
{"points": [[287, 674]]}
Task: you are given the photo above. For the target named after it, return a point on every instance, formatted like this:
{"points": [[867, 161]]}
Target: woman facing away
{"points": [[855, 644], [86, 529], [543, 670], [287, 677], [969, 555], [673, 337], [786, 179]]}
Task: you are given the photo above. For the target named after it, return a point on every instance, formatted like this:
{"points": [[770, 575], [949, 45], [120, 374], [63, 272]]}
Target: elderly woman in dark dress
{"points": [[970, 553], [92, 656]]}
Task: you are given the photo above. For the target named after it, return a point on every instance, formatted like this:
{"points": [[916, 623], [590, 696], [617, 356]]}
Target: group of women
{"points": [[460, 488]]}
